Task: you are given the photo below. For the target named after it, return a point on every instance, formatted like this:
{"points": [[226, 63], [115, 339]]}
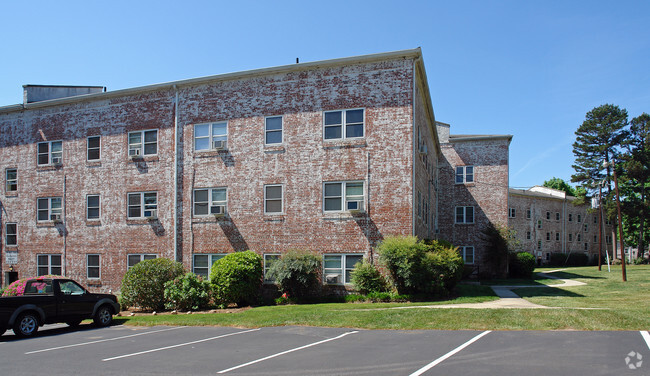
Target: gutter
{"points": [[177, 254]]}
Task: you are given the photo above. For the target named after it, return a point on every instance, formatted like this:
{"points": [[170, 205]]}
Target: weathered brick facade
{"points": [[397, 151]]}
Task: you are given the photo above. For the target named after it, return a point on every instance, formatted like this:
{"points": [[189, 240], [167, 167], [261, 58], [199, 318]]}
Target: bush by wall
{"points": [[143, 285], [366, 278], [187, 292], [17, 288], [522, 265], [416, 267], [573, 259], [237, 278], [297, 273]]}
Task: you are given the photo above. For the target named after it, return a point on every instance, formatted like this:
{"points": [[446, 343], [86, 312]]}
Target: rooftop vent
{"points": [[39, 93]]}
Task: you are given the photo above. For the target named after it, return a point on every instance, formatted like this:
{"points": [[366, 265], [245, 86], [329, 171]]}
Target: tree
{"points": [[560, 185], [500, 241]]}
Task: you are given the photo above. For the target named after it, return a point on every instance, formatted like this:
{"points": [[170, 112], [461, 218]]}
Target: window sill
{"points": [[274, 149], [48, 167], [48, 223], [338, 216], [93, 222], [93, 163], [268, 217], [11, 194], [210, 153], [345, 143], [465, 184], [146, 158], [139, 221], [208, 219]]}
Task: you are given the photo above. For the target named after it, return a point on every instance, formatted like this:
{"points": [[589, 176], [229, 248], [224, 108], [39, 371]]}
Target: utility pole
{"points": [[600, 226], [620, 225]]}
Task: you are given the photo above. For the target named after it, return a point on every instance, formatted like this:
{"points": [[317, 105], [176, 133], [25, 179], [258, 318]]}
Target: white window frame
{"points": [[143, 207], [98, 207], [343, 270], [465, 251], [267, 265], [98, 148], [529, 213], [267, 130], [579, 238], [344, 197], [51, 267], [211, 137], [50, 154], [464, 215], [13, 233], [11, 182], [570, 217], [528, 235], [50, 210], [557, 216], [212, 258], [579, 218], [281, 199], [142, 145], [512, 213], [210, 202], [141, 256], [94, 267], [586, 227], [464, 177], [344, 124]]}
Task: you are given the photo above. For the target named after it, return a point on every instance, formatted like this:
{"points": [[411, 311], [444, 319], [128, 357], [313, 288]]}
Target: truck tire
{"points": [[26, 325], [103, 316]]}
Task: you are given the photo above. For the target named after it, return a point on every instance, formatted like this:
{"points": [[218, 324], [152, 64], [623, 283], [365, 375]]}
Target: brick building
{"points": [[329, 156], [547, 220], [473, 187]]}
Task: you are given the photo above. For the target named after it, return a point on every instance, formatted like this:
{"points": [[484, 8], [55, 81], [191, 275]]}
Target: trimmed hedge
{"points": [[187, 292], [297, 273], [522, 265], [143, 285], [237, 278]]}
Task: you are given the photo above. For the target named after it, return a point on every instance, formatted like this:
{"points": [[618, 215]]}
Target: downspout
{"points": [[413, 154], [65, 230], [564, 219], [177, 254]]}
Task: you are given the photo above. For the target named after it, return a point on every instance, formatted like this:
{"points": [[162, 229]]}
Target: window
{"points": [[528, 213], [608, 222], [595, 238], [343, 124], [48, 264], [49, 209], [210, 136], [548, 236], [579, 218], [579, 237], [133, 259], [539, 223], [11, 234], [570, 237], [586, 227], [273, 130], [557, 236], [419, 204], [527, 235], [92, 207], [467, 253], [143, 143], [608, 239], [269, 259], [92, 151], [464, 214], [50, 152], [341, 196], [512, 212], [92, 266], [142, 205], [548, 215], [337, 268], [557, 216], [203, 263], [11, 180], [595, 219], [586, 246], [273, 199], [464, 174], [570, 217], [210, 201], [539, 244]]}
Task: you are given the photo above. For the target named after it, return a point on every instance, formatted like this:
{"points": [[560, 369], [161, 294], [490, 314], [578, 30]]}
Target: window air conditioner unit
{"points": [[423, 149], [332, 278], [218, 210], [355, 206], [55, 217], [134, 153], [56, 161], [218, 144], [151, 214]]}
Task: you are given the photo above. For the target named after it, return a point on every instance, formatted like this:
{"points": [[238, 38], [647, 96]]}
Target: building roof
{"points": [[542, 192], [415, 53], [479, 137]]}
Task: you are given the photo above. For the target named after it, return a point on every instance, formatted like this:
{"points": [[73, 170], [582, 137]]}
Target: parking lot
{"points": [[126, 350]]}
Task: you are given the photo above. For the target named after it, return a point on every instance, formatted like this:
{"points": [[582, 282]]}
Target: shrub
{"points": [[187, 292], [416, 267], [143, 285], [237, 278], [17, 288], [522, 265], [366, 278], [640, 261], [572, 259], [297, 273]]}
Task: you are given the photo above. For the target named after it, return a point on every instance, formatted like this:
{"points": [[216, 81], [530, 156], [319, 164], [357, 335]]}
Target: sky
{"points": [[531, 69]]}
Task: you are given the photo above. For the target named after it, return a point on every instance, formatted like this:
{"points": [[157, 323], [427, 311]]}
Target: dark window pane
{"points": [[134, 212], [93, 213], [274, 137], [273, 192], [332, 132], [354, 116], [354, 130], [332, 189], [333, 118], [274, 123], [273, 206], [150, 149], [93, 154], [332, 204]]}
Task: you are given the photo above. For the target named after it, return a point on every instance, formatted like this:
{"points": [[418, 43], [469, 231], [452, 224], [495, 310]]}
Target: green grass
{"points": [[614, 306]]}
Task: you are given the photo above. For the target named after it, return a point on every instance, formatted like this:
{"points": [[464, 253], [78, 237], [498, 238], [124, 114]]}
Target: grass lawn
{"points": [[614, 305]]}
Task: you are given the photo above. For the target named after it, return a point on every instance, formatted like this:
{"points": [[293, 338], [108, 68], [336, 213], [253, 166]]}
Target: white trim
{"points": [[281, 130], [7, 180], [264, 267], [142, 142], [344, 197], [465, 221], [49, 152], [463, 253], [99, 148], [7, 234], [342, 269], [143, 256], [343, 124], [209, 136], [49, 264], [211, 260], [99, 266], [464, 174], [209, 202], [142, 204], [274, 199], [49, 209], [99, 207]]}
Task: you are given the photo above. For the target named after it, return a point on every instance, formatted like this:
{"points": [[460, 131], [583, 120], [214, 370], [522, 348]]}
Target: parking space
{"points": [[124, 350]]}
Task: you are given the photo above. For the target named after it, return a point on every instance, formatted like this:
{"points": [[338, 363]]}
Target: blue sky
{"points": [[527, 68]]}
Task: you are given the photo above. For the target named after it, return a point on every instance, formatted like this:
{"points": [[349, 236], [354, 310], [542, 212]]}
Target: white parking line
{"points": [[448, 355], [103, 340], [179, 345], [646, 337], [286, 352]]}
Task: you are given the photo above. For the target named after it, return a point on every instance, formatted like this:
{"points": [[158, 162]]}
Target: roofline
{"points": [[411, 53], [461, 138], [525, 192]]}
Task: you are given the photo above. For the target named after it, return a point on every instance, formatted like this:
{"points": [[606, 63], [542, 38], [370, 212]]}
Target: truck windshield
{"points": [[71, 288]]}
